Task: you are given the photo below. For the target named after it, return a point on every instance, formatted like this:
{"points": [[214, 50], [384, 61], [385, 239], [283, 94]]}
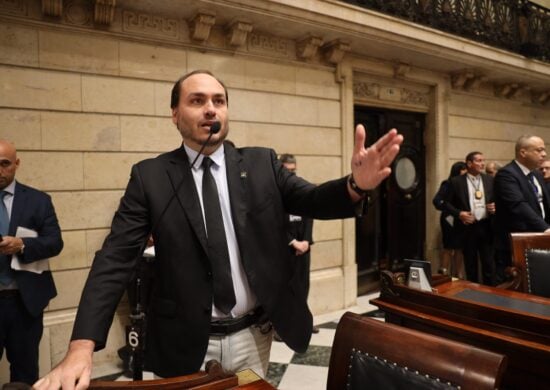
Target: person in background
{"points": [[29, 233], [452, 262], [470, 201], [545, 170], [492, 168], [299, 231], [522, 199]]}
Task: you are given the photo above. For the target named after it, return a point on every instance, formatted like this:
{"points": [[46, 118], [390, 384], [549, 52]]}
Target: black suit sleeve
{"points": [[49, 242], [517, 207]]}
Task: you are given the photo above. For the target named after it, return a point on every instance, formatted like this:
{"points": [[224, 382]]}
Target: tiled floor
{"points": [[289, 370]]}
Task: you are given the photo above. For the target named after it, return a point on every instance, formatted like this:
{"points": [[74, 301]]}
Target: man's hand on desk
{"points": [[74, 371]]}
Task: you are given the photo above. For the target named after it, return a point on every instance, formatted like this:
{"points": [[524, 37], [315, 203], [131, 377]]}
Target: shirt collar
{"points": [[218, 156], [523, 168], [10, 189]]}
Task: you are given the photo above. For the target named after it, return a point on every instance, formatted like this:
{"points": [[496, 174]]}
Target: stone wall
{"points": [[82, 109]]}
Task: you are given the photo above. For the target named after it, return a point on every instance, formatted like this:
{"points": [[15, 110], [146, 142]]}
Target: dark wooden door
{"points": [[394, 227]]}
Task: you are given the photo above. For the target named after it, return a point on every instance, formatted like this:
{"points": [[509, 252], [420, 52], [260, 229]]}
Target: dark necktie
{"points": [[224, 294], [6, 274], [531, 178]]}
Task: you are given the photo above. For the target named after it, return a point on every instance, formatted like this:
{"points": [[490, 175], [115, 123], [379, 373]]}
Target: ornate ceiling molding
{"points": [[52, 7], [237, 32], [335, 50], [201, 25], [104, 11], [307, 48]]}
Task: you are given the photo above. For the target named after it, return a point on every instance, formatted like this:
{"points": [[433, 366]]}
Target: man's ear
{"points": [[175, 115]]}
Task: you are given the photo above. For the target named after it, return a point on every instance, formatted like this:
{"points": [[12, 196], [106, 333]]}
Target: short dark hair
{"points": [[175, 97], [456, 168], [470, 156], [287, 158]]}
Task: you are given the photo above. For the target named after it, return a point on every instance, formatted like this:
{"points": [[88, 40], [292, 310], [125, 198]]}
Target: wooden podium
{"points": [[508, 322]]}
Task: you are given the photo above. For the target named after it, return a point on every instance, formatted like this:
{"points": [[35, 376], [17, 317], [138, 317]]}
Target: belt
{"points": [[12, 293], [228, 326]]}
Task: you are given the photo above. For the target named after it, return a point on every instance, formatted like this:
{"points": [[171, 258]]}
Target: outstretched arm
{"points": [[369, 166]]}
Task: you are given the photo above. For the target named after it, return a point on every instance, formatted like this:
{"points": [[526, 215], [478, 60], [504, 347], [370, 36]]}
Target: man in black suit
{"points": [[26, 290], [209, 298], [299, 231], [471, 202], [522, 199]]}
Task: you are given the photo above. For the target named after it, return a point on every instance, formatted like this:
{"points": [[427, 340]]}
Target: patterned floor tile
{"points": [[314, 356]]}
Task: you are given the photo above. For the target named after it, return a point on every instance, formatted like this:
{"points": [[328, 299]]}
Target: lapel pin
{"points": [[243, 175]]}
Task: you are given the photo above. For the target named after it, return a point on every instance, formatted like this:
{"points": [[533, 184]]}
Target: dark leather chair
{"points": [[530, 271], [214, 378], [369, 354]]}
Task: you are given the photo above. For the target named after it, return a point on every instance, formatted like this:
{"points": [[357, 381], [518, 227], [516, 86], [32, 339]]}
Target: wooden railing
{"points": [[519, 26]]}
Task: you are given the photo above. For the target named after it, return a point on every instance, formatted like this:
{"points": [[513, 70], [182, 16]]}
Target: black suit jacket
{"points": [[261, 191], [301, 229], [33, 209], [517, 207], [458, 198]]}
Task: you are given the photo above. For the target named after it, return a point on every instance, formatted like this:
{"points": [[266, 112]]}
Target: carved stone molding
{"points": [[458, 79], [475, 82], [366, 90], [510, 90], [270, 45], [416, 98], [540, 97], [13, 7], [237, 32], [150, 25], [104, 11], [401, 69], [307, 48], [201, 25], [335, 50], [52, 7]]}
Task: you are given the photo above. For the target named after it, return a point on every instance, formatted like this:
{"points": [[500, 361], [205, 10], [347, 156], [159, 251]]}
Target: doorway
{"points": [[394, 227]]}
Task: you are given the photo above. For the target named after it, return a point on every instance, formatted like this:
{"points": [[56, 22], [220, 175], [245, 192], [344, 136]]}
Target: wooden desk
{"points": [[508, 322], [249, 380]]}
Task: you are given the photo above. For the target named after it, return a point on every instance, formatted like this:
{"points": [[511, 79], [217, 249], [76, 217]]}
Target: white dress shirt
{"points": [[245, 298]]}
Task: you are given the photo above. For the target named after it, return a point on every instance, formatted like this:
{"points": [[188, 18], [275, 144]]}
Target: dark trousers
{"points": [[20, 335], [478, 241]]}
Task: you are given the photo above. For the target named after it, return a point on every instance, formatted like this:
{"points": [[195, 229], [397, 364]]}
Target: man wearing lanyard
{"points": [[470, 201], [522, 199]]}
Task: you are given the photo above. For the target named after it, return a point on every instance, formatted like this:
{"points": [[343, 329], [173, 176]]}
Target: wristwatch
{"points": [[359, 191]]}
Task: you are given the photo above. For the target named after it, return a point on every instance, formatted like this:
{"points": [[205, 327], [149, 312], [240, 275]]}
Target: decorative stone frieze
{"points": [[375, 91], [52, 7], [104, 11], [416, 98], [270, 45], [335, 50], [150, 25], [201, 25], [237, 32], [14, 7], [306, 48]]}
